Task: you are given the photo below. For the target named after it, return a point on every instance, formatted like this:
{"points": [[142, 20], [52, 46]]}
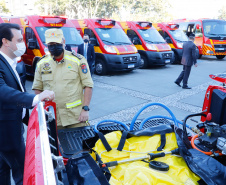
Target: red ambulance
{"points": [[114, 51], [152, 48]]}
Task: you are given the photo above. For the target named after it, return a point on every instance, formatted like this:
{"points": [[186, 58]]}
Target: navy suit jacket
{"points": [[12, 102], [90, 53], [189, 54]]}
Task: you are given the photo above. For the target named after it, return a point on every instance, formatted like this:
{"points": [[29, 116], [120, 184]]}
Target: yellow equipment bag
{"points": [[139, 172]]}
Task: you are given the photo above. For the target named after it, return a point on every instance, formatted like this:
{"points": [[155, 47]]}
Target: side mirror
{"points": [[93, 41], [168, 40], [197, 26], [136, 41], [32, 44]]}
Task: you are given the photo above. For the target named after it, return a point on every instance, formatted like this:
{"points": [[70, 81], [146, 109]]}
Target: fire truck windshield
{"points": [[178, 35], [213, 28], [151, 36], [71, 35], [113, 36]]}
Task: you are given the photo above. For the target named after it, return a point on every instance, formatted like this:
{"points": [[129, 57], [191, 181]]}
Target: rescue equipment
{"points": [[122, 152]]}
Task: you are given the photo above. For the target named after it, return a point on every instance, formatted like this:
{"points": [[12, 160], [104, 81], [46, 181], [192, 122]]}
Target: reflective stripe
{"points": [[42, 61], [73, 104], [71, 58]]}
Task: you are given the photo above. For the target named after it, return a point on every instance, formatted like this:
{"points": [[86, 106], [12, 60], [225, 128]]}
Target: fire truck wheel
{"points": [[175, 59], [220, 56], [100, 68], [143, 62], [200, 56]]}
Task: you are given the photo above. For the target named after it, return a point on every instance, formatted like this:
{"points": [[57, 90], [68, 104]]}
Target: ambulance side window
{"points": [[31, 39], [198, 32], [133, 37], [161, 33], [92, 37], [167, 38]]}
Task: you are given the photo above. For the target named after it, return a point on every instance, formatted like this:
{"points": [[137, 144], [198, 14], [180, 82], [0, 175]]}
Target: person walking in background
{"points": [[67, 74], [14, 105], [87, 50], [188, 59]]}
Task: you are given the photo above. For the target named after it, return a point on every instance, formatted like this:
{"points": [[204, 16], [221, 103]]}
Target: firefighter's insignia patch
{"points": [[84, 68], [46, 67]]}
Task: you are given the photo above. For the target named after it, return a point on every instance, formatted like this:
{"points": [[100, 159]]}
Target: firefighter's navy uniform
{"points": [[67, 79]]}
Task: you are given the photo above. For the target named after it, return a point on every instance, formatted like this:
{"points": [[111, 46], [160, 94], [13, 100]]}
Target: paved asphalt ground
{"points": [[120, 95]]}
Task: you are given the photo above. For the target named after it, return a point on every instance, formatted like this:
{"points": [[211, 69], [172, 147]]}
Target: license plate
{"points": [[167, 61], [219, 49], [131, 66]]}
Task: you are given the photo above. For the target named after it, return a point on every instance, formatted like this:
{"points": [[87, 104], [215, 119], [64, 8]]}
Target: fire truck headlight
{"points": [[46, 51], [209, 45], [110, 49], [180, 45], [135, 49], [151, 47]]}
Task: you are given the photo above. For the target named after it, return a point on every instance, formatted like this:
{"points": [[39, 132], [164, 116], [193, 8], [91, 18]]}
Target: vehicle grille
{"points": [[220, 47], [167, 55], [129, 60]]}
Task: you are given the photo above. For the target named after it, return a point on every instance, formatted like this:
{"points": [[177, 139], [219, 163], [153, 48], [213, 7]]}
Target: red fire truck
{"points": [[114, 51], [210, 35], [34, 28], [152, 48]]}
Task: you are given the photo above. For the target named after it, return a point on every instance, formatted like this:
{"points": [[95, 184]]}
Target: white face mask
{"points": [[21, 48]]}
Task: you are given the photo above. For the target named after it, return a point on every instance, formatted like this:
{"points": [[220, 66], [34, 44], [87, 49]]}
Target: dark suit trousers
{"points": [[12, 160], [91, 67], [184, 75]]}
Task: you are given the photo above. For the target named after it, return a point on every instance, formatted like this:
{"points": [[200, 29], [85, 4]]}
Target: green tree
{"points": [[3, 8], [52, 7], [144, 10], [222, 12]]}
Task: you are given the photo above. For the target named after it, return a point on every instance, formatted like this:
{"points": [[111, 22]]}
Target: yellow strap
{"points": [[73, 104], [71, 58]]}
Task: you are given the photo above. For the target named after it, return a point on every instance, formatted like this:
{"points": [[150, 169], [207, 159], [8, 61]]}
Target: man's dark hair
{"points": [[6, 32], [85, 35]]}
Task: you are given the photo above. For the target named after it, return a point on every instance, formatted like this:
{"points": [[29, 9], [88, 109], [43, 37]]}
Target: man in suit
{"points": [[188, 59], [14, 104], [87, 50]]}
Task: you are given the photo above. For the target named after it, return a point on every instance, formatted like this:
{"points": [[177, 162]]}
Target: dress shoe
{"points": [[177, 84], [186, 87]]}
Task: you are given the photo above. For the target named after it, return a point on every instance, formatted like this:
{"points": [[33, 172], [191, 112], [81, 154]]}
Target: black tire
{"points": [[143, 62], [200, 56], [175, 59], [34, 63], [220, 56], [100, 67]]}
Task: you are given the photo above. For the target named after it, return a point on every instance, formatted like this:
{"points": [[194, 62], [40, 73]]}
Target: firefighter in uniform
{"points": [[68, 75]]}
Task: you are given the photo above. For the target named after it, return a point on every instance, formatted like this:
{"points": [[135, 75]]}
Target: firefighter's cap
{"points": [[54, 35]]}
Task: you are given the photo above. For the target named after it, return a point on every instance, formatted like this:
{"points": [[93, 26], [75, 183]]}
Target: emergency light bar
{"points": [[173, 25], [105, 22], [144, 24], [53, 19]]}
